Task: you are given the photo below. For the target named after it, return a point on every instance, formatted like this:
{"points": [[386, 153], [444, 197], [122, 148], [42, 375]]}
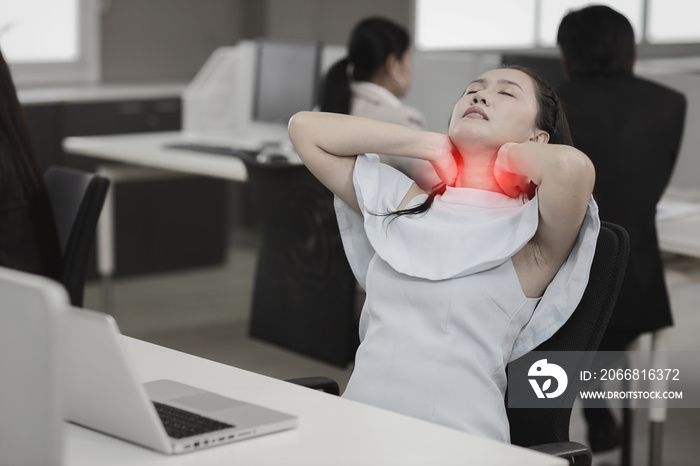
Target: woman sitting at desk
{"points": [[461, 279], [372, 79], [28, 238]]}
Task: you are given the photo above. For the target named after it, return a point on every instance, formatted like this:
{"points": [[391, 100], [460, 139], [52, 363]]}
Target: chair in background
{"points": [[547, 429], [76, 199], [304, 292]]}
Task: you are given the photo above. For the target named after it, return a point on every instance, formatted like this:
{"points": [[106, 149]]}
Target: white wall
{"points": [[328, 21], [169, 40]]}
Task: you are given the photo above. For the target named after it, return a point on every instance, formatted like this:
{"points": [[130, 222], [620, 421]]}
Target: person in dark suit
{"points": [[631, 129], [28, 238]]}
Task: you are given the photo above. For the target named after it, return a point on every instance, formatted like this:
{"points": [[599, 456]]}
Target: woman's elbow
{"points": [[577, 170], [297, 125]]}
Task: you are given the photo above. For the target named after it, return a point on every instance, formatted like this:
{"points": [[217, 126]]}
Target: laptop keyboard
{"points": [[180, 423]]}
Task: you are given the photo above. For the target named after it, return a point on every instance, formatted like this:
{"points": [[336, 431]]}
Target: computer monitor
{"points": [[286, 79]]}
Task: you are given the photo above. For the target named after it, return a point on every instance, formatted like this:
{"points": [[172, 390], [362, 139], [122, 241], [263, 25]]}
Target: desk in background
{"points": [[332, 430], [301, 269], [149, 150], [141, 150], [156, 217], [678, 222]]}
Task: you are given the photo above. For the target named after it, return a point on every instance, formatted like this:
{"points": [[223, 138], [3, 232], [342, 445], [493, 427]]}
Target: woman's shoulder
{"points": [[373, 101]]}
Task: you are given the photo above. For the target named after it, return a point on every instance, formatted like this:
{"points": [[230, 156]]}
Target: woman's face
{"points": [[498, 107]]}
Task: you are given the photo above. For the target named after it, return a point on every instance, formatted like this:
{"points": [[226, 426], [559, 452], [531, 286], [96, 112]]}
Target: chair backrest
{"points": [[581, 333], [76, 199], [304, 288]]}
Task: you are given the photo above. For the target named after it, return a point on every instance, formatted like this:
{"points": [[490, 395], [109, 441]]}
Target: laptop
{"points": [[32, 311], [105, 394]]}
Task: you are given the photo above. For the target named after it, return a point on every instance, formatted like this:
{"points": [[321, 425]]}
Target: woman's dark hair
{"points": [[28, 180], [597, 41], [371, 42], [550, 118], [550, 111]]}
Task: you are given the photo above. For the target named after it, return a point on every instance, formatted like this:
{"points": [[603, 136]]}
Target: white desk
{"points": [[680, 236], [332, 430], [148, 149], [678, 222]]}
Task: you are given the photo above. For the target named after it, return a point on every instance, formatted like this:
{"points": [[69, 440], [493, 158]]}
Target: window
{"points": [[50, 41], [552, 11], [474, 24], [673, 21], [509, 24]]}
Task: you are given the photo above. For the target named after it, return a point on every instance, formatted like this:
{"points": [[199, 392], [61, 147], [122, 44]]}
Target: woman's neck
{"points": [[476, 172], [383, 79]]}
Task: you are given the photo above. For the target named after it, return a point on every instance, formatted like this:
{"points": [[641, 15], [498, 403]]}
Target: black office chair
{"points": [[304, 293], [76, 199], [547, 429], [581, 334]]}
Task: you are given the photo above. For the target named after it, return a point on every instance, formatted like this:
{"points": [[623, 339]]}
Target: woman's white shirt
{"points": [[444, 311], [373, 101]]}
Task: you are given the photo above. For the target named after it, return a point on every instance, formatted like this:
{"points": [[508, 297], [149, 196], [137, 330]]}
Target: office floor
{"points": [[205, 312]]}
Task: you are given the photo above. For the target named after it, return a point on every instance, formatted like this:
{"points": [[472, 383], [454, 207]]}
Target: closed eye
{"points": [[506, 93]]}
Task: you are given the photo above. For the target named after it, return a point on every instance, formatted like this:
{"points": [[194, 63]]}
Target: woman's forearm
{"points": [[328, 142], [344, 135]]}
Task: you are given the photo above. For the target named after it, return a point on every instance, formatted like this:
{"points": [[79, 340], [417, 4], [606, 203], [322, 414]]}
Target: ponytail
{"points": [[335, 93], [437, 190], [372, 41]]}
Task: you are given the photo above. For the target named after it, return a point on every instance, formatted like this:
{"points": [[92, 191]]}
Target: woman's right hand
{"points": [[444, 161]]}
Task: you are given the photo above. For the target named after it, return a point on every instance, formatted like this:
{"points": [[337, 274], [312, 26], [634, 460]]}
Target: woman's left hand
{"points": [[512, 183]]}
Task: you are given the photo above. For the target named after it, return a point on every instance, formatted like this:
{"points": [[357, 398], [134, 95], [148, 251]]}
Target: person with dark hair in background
{"points": [[28, 238], [631, 128], [372, 79]]}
